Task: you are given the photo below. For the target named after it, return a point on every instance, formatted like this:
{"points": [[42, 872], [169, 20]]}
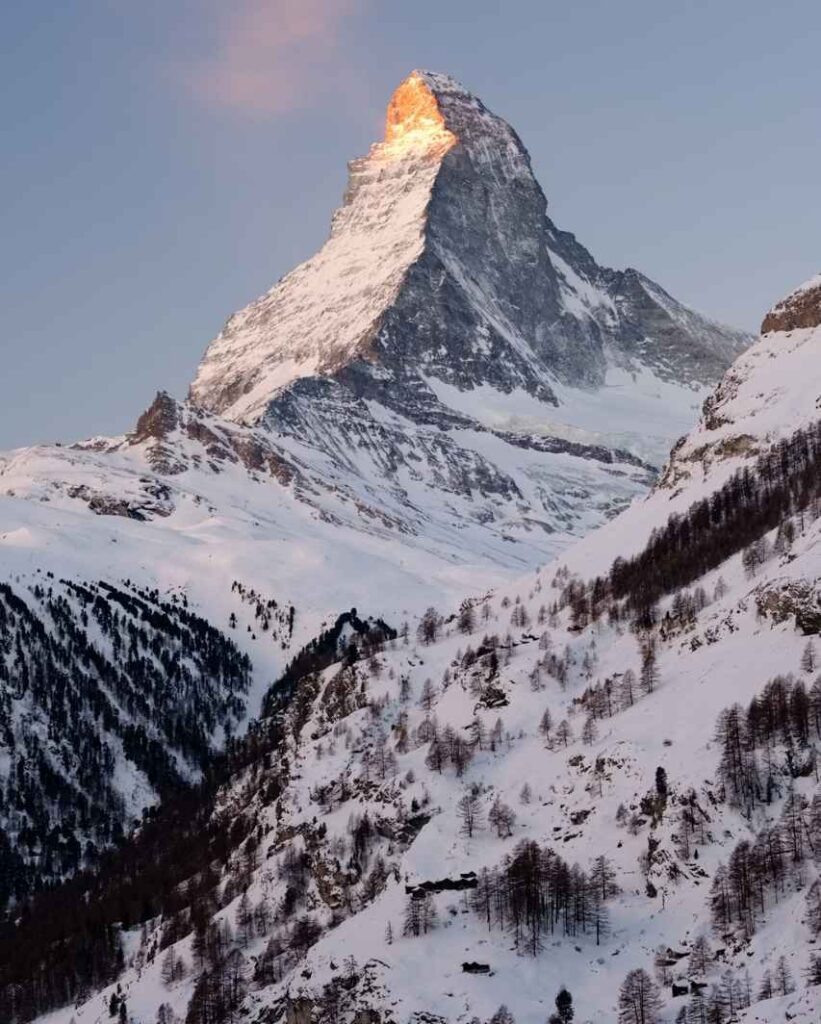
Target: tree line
{"points": [[763, 750], [784, 714], [783, 482]]}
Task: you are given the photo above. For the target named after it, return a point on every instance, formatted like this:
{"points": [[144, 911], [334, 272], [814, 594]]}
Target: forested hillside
{"points": [[110, 696]]}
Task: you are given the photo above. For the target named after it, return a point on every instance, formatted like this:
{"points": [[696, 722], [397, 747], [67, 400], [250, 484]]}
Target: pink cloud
{"points": [[270, 56]]}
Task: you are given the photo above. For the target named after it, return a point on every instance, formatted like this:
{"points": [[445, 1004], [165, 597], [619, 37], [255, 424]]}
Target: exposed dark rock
{"points": [[598, 453], [472, 967], [159, 420], [156, 501], [299, 1010], [808, 620], [798, 598], [467, 880], [800, 309], [367, 1015]]}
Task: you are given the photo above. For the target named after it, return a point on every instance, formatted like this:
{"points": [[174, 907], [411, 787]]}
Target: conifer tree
{"points": [[564, 1008], [639, 999]]}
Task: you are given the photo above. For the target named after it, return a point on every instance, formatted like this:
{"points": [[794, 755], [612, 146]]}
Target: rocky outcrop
{"points": [[165, 427], [159, 420], [798, 599], [800, 309], [154, 500], [299, 1011]]}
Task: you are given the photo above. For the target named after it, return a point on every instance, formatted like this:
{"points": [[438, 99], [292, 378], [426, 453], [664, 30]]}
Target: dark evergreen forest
{"points": [[89, 673]]}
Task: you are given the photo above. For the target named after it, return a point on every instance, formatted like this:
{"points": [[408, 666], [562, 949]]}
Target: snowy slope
{"points": [[191, 510], [204, 505], [363, 746]]}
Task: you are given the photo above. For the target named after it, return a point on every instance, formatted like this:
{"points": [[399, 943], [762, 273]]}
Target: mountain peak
{"points": [[414, 120], [442, 265], [158, 420], [325, 313]]}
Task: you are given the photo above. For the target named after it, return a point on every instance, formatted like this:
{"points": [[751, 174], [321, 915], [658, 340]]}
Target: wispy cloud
{"points": [[271, 57]]}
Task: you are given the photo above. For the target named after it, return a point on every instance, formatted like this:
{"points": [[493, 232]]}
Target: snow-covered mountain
{"points": [[443, 398], [446, 304], [602, 777], [451, 384], [443, 268]]}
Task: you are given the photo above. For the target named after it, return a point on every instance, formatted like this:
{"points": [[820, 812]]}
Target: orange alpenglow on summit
{"points": [[414, 122]]}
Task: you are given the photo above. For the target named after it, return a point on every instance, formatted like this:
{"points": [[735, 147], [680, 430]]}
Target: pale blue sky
{"points": [[166, 161]]}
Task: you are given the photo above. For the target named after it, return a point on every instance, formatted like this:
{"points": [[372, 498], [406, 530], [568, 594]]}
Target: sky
{"points": [[165, 162]]}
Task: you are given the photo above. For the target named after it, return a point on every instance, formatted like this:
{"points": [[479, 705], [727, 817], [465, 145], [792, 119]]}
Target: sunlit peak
{"points": [[414, 122]]}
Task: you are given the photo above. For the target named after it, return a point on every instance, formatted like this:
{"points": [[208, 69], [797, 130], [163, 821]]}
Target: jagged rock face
{"points": [[800, 309], [442, 263], [166, 422], [324, 314], [474, 306], [158, 420], [656, 330]]}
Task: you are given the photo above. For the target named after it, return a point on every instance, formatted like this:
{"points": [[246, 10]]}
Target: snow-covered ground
{"points": [[634, 411]]}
